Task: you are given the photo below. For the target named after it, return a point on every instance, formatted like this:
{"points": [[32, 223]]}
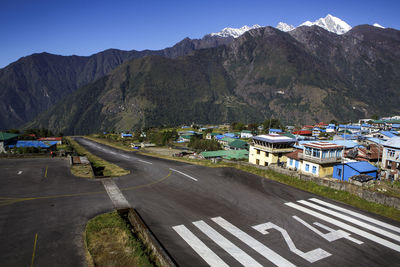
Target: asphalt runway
{"points": [[202, 216]]}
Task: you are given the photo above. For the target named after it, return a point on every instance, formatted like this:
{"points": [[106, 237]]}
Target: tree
{"points": [[272, 123], [252, 127], [14, 131], [204, 144], [375, 117], [334, 122], [237, 126]]}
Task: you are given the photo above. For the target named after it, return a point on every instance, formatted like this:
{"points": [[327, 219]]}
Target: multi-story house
{"points": [[391, 158], [270, 149], [318, 158]]}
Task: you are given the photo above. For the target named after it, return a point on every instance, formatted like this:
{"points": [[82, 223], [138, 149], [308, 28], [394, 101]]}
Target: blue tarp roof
{"points": [[388, 134], [395, 125], [355, 127], [34, 143], [218, 137], [232, 135], [362, 166], [348, 136], [366, 125], [331, 125]]}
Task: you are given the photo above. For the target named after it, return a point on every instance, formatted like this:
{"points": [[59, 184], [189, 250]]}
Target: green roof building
{"points": [[7, 139], [226, 154], [238, 145]]}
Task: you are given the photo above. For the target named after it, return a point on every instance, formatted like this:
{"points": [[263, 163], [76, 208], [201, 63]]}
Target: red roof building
{"points": [[303, 132]]}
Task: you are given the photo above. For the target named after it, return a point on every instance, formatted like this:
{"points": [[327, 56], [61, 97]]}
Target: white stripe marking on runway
{"points": [[144, 161], [199, 247], [333, 235], [227, 245], [347, 227], [125, 156], [356, 214], [310, 256], [115, 194], [184, 174], [266, 252], [351, 220]]}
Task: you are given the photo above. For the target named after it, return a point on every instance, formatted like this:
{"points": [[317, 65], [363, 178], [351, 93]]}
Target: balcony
{"points": [[274, 150], [319, 160]]}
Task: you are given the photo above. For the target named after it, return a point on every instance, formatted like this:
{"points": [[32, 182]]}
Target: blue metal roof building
{"points": [[34, 143], [388, 134], [350, 169]]}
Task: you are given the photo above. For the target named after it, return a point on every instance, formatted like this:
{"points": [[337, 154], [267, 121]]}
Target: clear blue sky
{"points": [[86, 27]]}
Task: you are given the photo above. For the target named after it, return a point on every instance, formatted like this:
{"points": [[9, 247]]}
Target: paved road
{"points": [[202, 216]]}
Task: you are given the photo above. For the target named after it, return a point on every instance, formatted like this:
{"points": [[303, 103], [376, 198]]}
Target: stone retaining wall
{"points": [[150, 241]]}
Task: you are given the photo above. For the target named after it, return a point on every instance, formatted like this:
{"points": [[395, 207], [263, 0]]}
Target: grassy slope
{"points": [[110, 242]]}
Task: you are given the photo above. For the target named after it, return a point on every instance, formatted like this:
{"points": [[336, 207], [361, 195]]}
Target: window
{"points": [[307, 167], [314, 169], [339, 172], [267, 154], [257, 161], [391, 153], [258, 152], [291, 162], [265, 163]]}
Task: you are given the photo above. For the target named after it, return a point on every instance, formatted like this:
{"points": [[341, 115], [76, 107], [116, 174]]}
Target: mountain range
{"points": [[304, 75]]}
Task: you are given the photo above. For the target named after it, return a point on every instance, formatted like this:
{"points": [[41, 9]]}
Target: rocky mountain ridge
{"points": [[303, 76]]}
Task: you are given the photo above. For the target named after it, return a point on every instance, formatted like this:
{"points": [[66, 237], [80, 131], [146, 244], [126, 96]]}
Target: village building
{"points": [[293, 160], [246, 134], [55, 139], [238, 145], [318, 158], [347, 170], [270, 149], [391, 158], [226, 154], [7, 139]]}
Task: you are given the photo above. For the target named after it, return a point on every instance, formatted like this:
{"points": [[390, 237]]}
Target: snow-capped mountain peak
{"points": [[378, 25], [330, 23], [284, 27], [234, 32]]}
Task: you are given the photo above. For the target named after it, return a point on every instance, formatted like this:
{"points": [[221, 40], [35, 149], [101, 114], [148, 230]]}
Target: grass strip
{"points": [[107, 168], [110, 242]]}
